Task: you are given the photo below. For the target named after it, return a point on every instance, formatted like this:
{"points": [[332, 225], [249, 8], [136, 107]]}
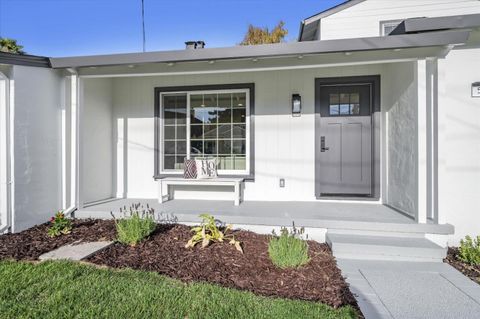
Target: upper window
{"points": [[344, 104], [388, 26], [207, 124]]}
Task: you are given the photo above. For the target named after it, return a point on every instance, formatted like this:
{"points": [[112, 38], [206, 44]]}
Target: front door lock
{"points": [[322, 145]]}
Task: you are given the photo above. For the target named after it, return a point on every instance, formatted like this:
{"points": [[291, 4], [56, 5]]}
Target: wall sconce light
{"points": [[296, 105]]}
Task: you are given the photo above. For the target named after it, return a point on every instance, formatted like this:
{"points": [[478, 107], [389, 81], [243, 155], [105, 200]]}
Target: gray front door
{"points": [[345, 152]]}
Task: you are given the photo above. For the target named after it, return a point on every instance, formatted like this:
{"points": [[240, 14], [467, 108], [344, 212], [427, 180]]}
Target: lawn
{"points": [[73, 290]]}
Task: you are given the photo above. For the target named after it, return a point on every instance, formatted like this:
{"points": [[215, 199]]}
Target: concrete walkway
{"points": [[388, 289], [75, 251]]}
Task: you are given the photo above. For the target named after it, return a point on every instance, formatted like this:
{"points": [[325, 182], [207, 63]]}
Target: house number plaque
{"points": [[476, 89]]}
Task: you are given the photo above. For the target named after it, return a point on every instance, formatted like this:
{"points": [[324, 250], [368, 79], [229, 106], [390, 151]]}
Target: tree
{"points": [[257, 35], [10, 46]]}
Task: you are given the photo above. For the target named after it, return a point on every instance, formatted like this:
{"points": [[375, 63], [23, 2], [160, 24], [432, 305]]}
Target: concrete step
{"points": [[348, 246]]}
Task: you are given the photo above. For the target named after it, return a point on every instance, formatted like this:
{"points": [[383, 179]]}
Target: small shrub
{"points": [[60, 225], [137, 224], [208, 232], [469, 251], [288, 250]]}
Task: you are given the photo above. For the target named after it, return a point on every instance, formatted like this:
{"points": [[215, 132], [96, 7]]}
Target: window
{"points": [[205, 124], [388, 26], [344, 104]]}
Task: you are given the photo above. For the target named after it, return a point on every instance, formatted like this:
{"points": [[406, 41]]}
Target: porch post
{"points": [[432, 139], [71, 169], [427, 129], [422, 184]]}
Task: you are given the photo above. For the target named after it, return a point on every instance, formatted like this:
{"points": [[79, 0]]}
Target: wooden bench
{"points": [[164, 183]]}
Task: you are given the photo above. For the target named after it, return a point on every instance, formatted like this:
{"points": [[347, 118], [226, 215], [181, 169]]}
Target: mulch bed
{"points": [[33, 242], [220, 263], [472, 272]]}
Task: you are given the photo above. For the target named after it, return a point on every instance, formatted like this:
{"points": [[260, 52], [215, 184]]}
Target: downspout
{"points": [[8, 126]]}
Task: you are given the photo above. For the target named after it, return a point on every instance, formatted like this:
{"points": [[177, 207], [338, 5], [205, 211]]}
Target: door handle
{"points": [[322, 145]]}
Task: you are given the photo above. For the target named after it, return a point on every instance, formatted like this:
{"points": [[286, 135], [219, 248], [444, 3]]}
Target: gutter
{"points": [[24, 59]]}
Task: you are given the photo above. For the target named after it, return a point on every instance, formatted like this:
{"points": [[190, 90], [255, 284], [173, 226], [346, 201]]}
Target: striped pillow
{"points": [[189, 169]]}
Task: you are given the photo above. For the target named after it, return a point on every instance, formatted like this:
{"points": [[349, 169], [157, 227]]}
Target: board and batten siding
{"points": [[284, 145], [363, 19]]}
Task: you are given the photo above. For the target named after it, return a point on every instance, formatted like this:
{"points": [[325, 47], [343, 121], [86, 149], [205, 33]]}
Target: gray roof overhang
{"points": [[416, 25], [24, 59], [441, 38]]}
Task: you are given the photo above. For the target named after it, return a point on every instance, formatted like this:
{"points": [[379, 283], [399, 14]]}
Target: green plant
{"points": [[10, 46], [469, 251], [288, 250], [60, 225], [208, 232], [136, 225]]}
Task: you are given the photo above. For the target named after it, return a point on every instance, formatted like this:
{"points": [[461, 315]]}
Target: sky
{"points": [[57, 28]]}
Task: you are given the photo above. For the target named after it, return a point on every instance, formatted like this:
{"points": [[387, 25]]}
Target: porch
{"points": [[130, 125], [266, 215]]}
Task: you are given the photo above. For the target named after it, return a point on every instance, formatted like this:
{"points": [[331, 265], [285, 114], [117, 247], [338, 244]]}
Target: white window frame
{"points": [[196, 92], [385, 23]]}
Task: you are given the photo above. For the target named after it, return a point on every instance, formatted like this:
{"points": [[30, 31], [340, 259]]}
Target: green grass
{"points": [[73, 290]]}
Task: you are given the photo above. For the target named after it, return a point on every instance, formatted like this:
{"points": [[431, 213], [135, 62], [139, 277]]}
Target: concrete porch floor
{"points": [[330, 215]]}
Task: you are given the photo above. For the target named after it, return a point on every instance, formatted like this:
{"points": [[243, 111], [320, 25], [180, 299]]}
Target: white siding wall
{"points": [[363, 19], [459, 143], [284, 145], [97, 149], [37, 145]]}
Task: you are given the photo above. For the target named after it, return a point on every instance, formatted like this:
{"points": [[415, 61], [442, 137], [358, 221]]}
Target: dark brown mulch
{"points": [[164, 252], [33, 242], [472, 272], [319, 280]]}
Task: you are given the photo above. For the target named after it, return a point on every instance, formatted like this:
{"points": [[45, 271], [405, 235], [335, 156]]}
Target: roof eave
{"points": [[269, 50], [416, 25], [24, 59]]}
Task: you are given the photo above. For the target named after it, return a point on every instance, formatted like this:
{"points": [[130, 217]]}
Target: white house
{"points": [[367, 126]]}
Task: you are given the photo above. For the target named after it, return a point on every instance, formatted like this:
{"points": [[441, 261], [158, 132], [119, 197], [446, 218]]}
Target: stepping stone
{"points": [[75, 251]]}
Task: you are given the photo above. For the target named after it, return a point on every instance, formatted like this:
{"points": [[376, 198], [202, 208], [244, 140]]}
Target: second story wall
{"points": [[365, 19]]}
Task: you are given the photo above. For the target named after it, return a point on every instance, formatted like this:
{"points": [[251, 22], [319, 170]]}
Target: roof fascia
{"points": [[25, 60], [269, 50], [415, 25]]}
